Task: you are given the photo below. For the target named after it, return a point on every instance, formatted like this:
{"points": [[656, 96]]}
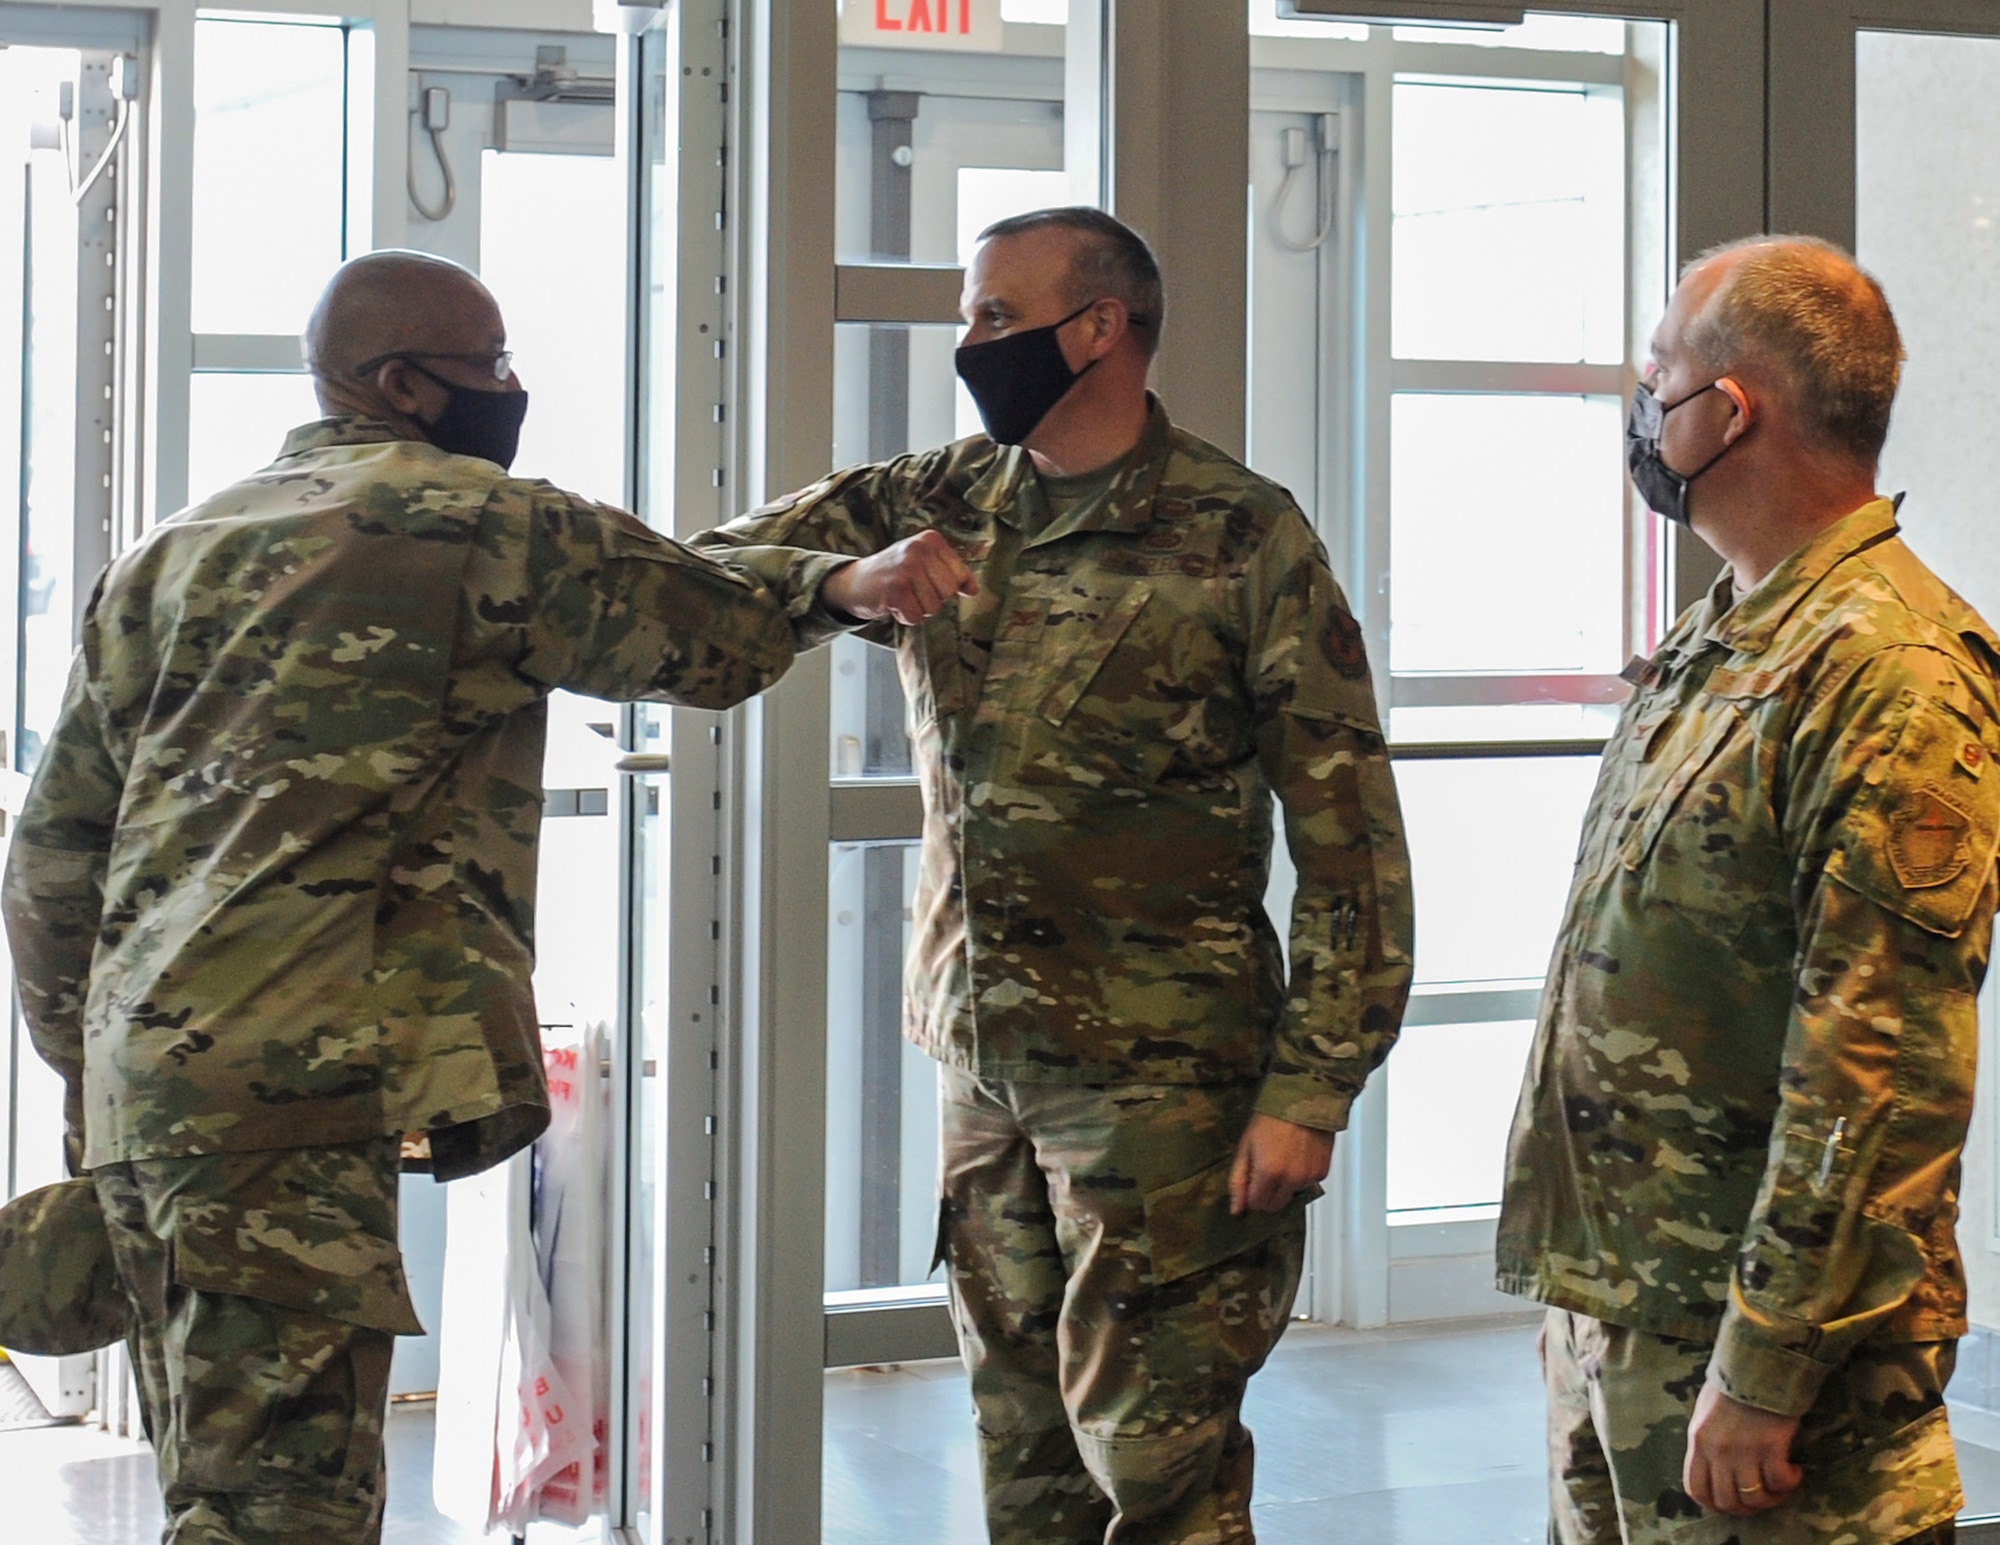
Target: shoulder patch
{"points": [[1928, 839], [1341, 642], [1921, 836]]}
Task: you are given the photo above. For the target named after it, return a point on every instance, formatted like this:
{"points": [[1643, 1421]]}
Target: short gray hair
{"points": [[1805, 308], [1110, 258]]}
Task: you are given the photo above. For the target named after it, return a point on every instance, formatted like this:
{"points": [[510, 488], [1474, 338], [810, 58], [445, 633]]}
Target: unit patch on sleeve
{"points": [[1927, 840]]}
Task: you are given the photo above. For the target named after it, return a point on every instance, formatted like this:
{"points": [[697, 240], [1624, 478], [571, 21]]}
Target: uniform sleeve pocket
{"points": [[1920, 836], [1189, 1226], [1094, 649]]}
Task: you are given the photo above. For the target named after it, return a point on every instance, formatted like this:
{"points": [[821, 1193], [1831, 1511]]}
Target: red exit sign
{"points": [[962, 24]]}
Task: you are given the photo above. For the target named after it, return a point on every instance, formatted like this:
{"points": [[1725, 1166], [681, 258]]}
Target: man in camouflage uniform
{"points": [[1117, 644], [271, 894], [1733, 1175]]}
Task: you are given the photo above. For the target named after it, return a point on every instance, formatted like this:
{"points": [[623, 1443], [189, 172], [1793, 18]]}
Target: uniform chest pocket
{"points": [[1085, 631], [1073, 712], [1679, 762], [1048, 649]]}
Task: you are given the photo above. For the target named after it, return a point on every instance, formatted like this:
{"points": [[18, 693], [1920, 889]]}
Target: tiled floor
{"points": [[1396, 1438], [72, 1486]]}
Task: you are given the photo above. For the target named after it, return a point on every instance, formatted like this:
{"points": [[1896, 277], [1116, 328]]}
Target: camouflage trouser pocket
{"points": [[309, 1229], [273, 1400], [1189, 1226]]}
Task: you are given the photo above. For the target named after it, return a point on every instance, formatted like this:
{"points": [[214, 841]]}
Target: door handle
{"points": [[641, 762]]}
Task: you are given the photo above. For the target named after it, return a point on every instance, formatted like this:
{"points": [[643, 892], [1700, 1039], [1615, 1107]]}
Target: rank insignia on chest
{"points": [[1639, 672], [1972, 757]]}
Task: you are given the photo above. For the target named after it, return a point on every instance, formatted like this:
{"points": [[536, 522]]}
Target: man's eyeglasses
{"points": [[501, 364]]}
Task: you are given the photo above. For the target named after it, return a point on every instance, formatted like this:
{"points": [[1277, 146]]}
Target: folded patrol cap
{"points": [[59, 1287]]}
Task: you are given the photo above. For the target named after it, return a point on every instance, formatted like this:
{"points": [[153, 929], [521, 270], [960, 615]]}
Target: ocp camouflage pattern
{"points": [[1753, 1073], [1099, 733], [266, 1293], [59, 1287], [274, 882], [1110, 1307], [1876, 1449]]}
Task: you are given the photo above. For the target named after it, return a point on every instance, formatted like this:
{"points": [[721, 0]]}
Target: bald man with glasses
{"points": [[271, 896]]}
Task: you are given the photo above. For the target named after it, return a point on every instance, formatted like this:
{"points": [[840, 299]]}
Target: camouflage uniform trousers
{"points": [[1876, 1449], [1109, 1309], [267, 1292]]}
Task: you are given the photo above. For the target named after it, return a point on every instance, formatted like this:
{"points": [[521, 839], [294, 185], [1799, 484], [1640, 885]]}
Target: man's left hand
{"points": [[1274, 1160], [1739, 1458]]}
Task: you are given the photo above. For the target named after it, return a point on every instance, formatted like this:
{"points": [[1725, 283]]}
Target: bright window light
{"points": [[1509, 224], [1506, 533], [269, 172], [564, 303], [237, 422], [1452, 1090]]}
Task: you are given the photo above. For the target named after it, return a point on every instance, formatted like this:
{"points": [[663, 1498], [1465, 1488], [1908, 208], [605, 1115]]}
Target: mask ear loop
{"points": [[1737, 395]]}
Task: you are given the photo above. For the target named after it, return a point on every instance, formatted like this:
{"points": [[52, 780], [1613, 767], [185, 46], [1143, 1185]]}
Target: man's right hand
{"points": [[909, 582]]}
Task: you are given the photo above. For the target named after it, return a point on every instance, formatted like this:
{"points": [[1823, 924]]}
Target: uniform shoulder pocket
{"points": [[1920, 838]]}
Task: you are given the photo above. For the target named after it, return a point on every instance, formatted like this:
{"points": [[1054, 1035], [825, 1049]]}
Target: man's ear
{"points": [[398, 385], [1109, 321], [1746, 409]]}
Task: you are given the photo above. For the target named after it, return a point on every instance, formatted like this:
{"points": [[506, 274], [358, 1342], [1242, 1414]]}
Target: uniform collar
{"points": [[326, 433], [1126, 506], [1748, 625]]}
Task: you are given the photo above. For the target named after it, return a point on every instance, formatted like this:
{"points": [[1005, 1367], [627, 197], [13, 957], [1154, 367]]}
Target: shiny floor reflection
{"points": [[74, 1486], [1407, 1437], [1398, 1438]]}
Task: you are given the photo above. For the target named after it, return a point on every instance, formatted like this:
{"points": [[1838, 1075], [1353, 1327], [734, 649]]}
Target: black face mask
{"points": [[1664, 490], [476, 423], [1015, 380]]}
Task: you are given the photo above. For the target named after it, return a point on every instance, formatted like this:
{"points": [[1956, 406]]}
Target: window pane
{"points": [[238, 421], [269, 147], [987, 194], [1492, 844], [881, 1092], [1508, 721], [1451, 1099], [901, 154], [1509, 223], [564, 303], [1507, 533], [1556, 34]]}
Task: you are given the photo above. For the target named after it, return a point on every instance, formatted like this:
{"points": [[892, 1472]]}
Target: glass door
{"points": [[1453, 428], [932, 147], [1883, 137], [63, 111]]}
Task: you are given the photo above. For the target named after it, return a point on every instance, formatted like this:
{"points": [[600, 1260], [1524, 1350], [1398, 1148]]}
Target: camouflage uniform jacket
{"points": [[1099, 732], [1753, 1073], [274, 882]]}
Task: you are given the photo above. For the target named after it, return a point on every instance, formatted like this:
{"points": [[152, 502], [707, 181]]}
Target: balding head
{"points": [[1800, 313], [389, 303]]}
